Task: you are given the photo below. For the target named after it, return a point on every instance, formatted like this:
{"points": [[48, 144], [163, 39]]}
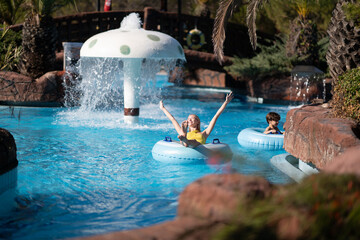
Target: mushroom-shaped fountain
{"points": [[132, 45]]}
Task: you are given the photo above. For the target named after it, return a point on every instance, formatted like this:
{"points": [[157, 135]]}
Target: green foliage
{"points": [[10, 11], [270, 61], [352, 12], [346, 97], [10, 49], [45, 8], [322, 206], [281, 13], [323, 46]]}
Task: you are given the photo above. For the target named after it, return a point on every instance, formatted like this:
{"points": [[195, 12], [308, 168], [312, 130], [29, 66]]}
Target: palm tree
{"points": [[10, 11], [344, 41], [302, 41], [344, 35], [39, 37]]}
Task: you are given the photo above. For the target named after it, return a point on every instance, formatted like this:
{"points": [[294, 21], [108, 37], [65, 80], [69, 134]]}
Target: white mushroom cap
{"points": [[131, 41]]}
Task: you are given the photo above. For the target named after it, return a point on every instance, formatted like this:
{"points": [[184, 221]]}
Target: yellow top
{"points": [[196, 135]]}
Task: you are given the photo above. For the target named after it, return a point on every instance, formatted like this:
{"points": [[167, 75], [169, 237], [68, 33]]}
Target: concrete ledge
{"points": [[288, 164], [307, 168]]}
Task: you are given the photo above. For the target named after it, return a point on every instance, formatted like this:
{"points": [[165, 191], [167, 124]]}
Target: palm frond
{"points": [[48, 7], [9, 10], [223, 13], [253, 6]]}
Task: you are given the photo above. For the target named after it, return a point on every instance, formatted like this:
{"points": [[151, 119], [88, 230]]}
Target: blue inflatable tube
{"points": [[168, 151], [255, 138]]}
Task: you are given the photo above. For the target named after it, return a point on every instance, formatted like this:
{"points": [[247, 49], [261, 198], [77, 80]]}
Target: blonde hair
{"points": [[197, 118]]}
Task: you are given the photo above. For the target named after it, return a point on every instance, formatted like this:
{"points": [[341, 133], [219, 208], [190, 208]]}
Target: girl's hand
{"points": [[184, 125], [229, 97], [161, 105]]}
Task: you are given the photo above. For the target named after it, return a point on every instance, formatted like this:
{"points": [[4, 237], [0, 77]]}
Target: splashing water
{"points": [[100, 86], [300, 87], [132, 21]]}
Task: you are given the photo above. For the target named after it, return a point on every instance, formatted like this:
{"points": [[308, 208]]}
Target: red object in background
{"points": [[107, 5]]}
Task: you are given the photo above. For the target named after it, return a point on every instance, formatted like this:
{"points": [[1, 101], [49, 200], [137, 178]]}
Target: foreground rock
{"points": [[205, 207], [17, 89], [312, 135], [8, 160], [233, 206], [215, 197], [346, 163]]}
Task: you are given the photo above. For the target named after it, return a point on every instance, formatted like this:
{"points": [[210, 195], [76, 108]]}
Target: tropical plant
{"points": [[39, 37], [10, 49], [322, 206], [270, 61], [344, 37], [302, 40], [303, 35], [343, 34], [10, 11]]}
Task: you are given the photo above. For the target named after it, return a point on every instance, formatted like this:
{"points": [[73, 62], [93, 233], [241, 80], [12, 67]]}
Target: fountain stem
{"points": [[132, 73]]}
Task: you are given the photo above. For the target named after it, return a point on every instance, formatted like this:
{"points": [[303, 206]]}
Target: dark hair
{"points": [[272, 116]]}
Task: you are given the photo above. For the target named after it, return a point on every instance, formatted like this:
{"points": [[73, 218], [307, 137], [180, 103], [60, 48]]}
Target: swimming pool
{"points": [[85, 173]]}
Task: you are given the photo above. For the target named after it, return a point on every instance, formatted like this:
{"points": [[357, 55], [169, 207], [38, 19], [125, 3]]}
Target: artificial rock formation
{"points": [[17, 89], [8, 160], [312, 135], [214, 197], [205, 207], [346, 163], [234, 206]]}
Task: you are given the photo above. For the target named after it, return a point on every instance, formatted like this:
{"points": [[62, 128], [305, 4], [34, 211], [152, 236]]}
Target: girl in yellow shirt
{"points": [[194, 137]]}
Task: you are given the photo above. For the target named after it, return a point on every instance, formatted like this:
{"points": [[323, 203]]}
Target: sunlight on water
{"points": [[85, 172]]}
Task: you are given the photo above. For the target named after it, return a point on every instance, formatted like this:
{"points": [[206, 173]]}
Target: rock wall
{"points": [[17, 89], [312, 135]]}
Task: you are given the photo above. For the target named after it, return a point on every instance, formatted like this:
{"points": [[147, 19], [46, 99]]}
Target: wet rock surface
{"points": [[8, 160]]}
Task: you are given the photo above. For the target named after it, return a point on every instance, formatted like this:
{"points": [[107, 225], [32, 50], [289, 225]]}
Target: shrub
{"points": [[270, 61], [346, 96], [322, 206], [10, 49]]}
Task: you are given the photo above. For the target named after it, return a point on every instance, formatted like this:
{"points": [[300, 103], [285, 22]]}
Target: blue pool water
{"points": [[86, 173]]}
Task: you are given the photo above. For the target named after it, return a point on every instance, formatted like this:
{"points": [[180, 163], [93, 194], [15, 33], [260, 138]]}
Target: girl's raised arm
{"points": [[211, 126], [172, 119]]}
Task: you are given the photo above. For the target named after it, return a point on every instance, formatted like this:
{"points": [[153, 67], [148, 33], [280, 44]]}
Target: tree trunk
{"points": [[39, 45], [344, 42]]}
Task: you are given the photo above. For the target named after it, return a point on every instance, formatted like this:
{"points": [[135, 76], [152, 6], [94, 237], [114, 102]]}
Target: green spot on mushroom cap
{"points": [[92, 43], [153, 37], [125, 49]]}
